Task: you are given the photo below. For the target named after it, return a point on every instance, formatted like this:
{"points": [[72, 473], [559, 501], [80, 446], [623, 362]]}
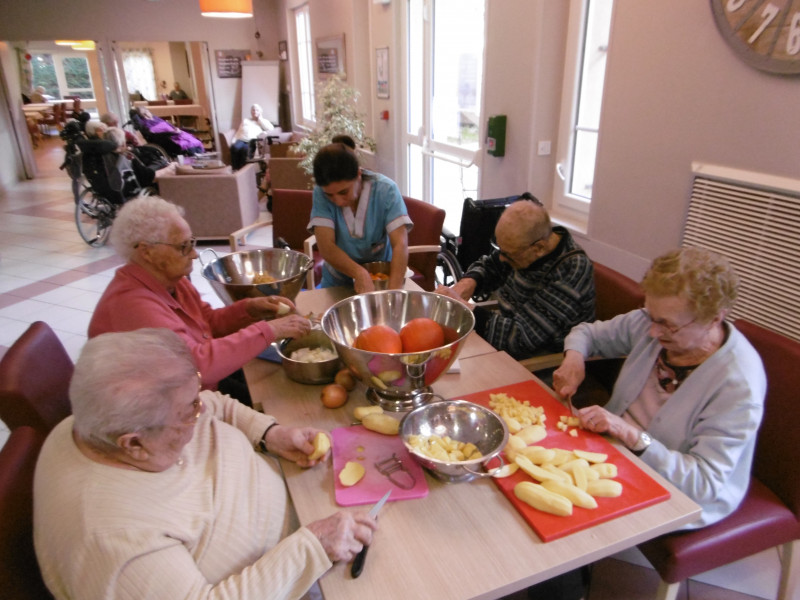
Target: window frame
{"points": [[567, 206], [303, 74], [57, 59]]}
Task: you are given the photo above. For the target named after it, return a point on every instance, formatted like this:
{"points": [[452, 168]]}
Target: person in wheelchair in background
{"points": [[117, 173], [542, 280]]}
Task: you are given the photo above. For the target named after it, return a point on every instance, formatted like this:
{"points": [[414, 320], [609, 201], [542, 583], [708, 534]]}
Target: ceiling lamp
{"points": [[66, 42], [85, 45], [229, 9]]}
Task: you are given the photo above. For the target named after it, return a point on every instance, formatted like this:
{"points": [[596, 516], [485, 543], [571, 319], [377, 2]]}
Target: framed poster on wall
{"points": [[330, 57], [229, 62], [382, 71]]}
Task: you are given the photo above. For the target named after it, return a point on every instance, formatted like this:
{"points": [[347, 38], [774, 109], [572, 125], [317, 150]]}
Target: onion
{"points": [[345, 379], [333, 395]]}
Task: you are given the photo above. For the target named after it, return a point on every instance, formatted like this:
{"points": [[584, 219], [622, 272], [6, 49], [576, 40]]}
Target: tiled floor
{"points": [[48, 273]]}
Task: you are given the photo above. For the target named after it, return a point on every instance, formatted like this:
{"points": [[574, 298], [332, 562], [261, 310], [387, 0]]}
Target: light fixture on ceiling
{"points": [[66, 42], [84, 45], [229, 9]]}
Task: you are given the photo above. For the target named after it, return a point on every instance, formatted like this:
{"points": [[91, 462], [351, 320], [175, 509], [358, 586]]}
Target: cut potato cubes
{"points": [[443, 448]]}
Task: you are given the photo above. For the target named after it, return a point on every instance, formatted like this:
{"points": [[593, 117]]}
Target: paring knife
{"points": [[358, 561]]}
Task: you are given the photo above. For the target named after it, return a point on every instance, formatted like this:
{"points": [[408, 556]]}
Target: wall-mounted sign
{"points": [[229, 62], [330, 57]]}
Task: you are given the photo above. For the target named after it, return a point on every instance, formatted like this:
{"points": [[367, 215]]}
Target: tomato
{"points": [[421, 334], [379, 338]]}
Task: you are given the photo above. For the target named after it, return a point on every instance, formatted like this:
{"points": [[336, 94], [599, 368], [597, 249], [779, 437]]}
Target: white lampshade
{"points": [[229, 9]]}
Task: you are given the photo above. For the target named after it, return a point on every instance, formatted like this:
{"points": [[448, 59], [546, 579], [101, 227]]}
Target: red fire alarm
{"points": [[384, 115]]}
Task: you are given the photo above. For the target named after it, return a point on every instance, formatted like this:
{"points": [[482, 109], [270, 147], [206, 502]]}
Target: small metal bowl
{"points": [[377, 269], [464, 422], [311, 373]]}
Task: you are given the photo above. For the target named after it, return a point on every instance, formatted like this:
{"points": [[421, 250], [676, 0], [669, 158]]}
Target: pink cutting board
{"points": [[367, 447]]}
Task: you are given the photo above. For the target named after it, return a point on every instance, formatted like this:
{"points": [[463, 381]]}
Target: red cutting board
{"points": [[367, 447], [638, 488]]}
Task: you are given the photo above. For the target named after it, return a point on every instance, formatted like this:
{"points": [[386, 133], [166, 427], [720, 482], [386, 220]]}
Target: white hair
{"points": [[143, 219], [124, 382], [116, 135]]}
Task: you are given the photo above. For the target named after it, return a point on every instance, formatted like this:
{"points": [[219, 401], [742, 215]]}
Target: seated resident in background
{"points": [[122, 163], [543, 281], [153, 290], [244, 140], [177, 93], [357, 217], [38, 95], [112, 120], [153, 489], [690, 395]]}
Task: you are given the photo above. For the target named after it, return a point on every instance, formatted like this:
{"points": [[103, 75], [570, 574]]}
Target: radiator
{"points": [[754, 220]]}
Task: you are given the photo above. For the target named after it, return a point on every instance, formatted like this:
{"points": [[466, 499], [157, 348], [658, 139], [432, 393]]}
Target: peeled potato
{"points": [[351, 474], [283, 309], [505, 471], [362, 411], [381, 423], [322, 443]]}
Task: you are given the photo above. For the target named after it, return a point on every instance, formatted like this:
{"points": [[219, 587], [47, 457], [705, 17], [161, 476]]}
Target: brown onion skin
{"points": [[333, 395], [345, 379]]}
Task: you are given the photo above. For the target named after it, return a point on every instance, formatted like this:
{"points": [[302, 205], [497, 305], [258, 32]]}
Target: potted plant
{"points": [[337, 114]]}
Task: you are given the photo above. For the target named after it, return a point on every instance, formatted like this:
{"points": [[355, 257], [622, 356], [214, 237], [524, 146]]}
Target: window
{"points": [[77, 77], [140, 72], [43, 73], [588, 36], [305, 65], [62, 75]]}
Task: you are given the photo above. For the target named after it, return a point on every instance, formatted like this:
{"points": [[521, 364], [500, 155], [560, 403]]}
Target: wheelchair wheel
{"points": [[448, 271], [93, 216]]}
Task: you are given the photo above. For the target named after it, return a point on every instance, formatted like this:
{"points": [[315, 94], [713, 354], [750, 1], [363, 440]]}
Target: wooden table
{"points": [[463, 540]]}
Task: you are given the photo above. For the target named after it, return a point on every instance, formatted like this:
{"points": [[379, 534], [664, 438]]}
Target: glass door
{"points": [[444, 77]]}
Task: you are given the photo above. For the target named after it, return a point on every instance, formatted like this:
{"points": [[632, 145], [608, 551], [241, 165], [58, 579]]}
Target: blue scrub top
{"points": [[363, 235]]}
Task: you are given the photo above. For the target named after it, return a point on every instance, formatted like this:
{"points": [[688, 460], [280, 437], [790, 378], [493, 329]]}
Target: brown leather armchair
{"points": [[769, 515], [19, 571], [34, 380]]}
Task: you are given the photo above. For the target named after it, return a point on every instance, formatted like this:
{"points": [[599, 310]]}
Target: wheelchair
{"points": [[478, 220], [96, 203]]}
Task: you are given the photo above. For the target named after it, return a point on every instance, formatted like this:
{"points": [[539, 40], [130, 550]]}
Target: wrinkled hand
{"points": [[363, 282], [451, 293], [598, 419], [267, 307], [293, 326], [344, 534], [569, 375], [294, 443]]}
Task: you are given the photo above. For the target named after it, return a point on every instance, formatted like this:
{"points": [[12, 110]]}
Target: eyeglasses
{"points": [[671, 328], [185, 248], [197, 405], [510, 255]]}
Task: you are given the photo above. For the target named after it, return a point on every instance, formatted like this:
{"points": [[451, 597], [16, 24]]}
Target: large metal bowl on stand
{"points": [[401, 381], [255, 273]]}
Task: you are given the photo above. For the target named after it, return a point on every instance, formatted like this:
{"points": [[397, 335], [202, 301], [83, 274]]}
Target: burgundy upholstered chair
{"points": [[34, 380], [769, 515], [291, 211], [20, 577], [424, 241]]}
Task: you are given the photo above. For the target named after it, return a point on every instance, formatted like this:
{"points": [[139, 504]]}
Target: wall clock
{"points": [[763, 33]]}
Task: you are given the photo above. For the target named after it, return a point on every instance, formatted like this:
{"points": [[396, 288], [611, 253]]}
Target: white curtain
{"points": [[140, 73]]}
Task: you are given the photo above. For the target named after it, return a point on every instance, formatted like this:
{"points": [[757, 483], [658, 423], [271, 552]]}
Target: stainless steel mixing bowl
{"points": [[464, 422], [312, 373], [236, 276], [397, 381]]}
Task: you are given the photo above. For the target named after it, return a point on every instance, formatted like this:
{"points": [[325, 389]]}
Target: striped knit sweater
{"points": [[538, 305]]}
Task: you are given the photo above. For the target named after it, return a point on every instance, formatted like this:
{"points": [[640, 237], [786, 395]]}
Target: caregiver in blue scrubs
{"points": [[357, 217]]}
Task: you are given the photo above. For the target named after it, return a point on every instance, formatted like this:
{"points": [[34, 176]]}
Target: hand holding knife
{"points": [[358, 561]]}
